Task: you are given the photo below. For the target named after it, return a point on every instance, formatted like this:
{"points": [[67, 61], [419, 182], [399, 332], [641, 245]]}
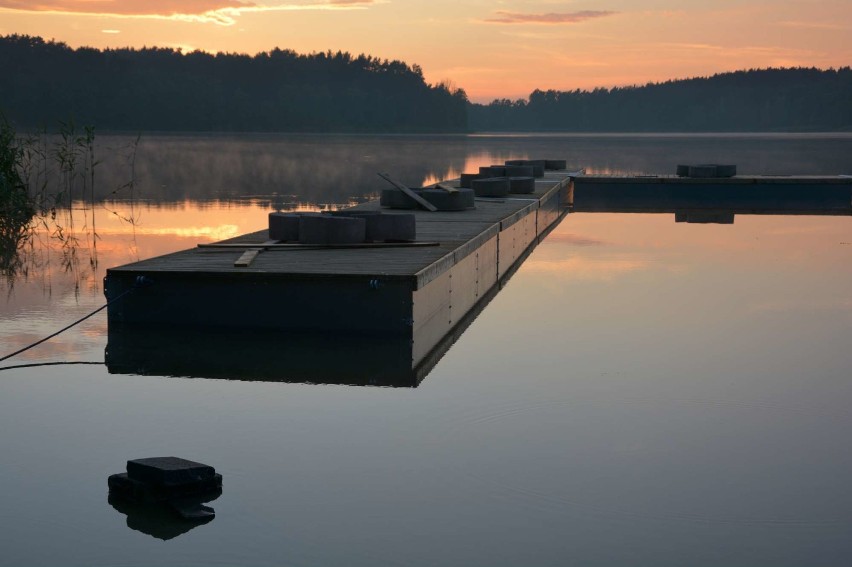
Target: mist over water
{"points": [[642, 392]]}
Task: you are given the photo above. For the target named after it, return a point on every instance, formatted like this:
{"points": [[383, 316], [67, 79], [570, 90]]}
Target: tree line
{"points": [[795, 99], [164, 89]]}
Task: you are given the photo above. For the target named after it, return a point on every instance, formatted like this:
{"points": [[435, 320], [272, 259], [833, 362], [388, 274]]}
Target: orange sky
{"points": [[490, 48]]}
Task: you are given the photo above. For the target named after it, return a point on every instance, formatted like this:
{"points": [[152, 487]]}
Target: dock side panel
{"points": [[271, 303]]}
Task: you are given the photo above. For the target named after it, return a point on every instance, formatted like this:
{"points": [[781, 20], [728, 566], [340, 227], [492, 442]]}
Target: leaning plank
{"points": [[423, 202]]}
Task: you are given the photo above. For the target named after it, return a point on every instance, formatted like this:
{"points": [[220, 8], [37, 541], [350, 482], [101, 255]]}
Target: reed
{"points": [[49, 200]]}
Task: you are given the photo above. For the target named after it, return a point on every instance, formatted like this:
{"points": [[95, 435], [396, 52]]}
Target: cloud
{"points": [[502, 17], [220, 12], [814, 25]]}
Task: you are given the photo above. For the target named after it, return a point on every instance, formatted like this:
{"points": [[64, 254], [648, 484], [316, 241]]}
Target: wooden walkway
{"points": [[457, 233]]}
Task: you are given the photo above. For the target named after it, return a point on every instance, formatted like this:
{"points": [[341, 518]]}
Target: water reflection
{"points": [[358, 360], [710, 202], [157, 519]]}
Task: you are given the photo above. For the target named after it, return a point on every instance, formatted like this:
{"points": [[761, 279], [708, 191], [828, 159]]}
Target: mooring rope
{"points": [[60, 363], [140, 281]]}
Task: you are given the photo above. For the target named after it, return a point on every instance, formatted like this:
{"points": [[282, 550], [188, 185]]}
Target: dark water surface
{"points": [[642, 392]]}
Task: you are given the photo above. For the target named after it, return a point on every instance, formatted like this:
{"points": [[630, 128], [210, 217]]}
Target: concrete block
{"points": [[519, 171], [492, 187], [284, 226], [521, 185], [329, 229], [168, 471]]}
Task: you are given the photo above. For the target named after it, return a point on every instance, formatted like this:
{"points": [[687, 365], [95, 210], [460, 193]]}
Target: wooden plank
{"points": [[247, 258], [423, 202]]}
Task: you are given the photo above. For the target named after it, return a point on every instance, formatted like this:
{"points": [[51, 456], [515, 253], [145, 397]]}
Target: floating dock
{"points": [[418, 294], [749, 194], [390, 313]]}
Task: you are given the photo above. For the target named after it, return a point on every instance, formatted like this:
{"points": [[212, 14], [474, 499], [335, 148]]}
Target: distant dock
{"points": [[750, 194]]}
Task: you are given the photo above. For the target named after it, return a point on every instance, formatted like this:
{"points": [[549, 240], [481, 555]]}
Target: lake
{"points": [[641, 392]]}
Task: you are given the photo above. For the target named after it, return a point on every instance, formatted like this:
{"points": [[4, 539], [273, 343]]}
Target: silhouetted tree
{"points": [[755, 100], [164, 89]]}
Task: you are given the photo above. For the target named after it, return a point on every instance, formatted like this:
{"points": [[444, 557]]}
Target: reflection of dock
{"points": [[416, 295], [702, 200], [277, 356]]}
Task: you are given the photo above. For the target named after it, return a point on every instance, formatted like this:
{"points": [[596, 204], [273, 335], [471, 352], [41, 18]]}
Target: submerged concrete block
{"points": [[168, 471], [122, 485]]}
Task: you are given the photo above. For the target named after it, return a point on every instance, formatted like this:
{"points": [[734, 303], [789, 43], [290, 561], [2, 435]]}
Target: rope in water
{"points": [[141, 280], [61, 363]]}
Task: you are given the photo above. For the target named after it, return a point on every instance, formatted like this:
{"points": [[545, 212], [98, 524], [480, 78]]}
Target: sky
{"points": [[492, 49]]}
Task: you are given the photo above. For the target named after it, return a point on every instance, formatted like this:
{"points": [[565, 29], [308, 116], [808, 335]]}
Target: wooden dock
{"points": [[752, 194], [417, 293]]}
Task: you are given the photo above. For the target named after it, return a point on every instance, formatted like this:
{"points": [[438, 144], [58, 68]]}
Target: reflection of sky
{"points": [[641, 392], [49, 296]]}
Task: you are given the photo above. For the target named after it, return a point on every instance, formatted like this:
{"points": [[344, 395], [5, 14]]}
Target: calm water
{"points": [[641, 393]]}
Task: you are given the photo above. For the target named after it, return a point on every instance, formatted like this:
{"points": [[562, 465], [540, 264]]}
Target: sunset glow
{"points": [[491, 49]]}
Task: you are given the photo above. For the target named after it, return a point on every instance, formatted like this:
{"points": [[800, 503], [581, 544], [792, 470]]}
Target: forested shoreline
{"points": [[163, 89], [758, 100]]}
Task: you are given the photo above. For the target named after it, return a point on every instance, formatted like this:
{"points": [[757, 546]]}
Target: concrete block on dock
{"points": [[519, 171], [521, 185], [492, 187], [492, 171], [707, 171], [382, 227], [396, 199], [327, 229], [466, 178], [284, 226], [447, 201], [555, 164], [538, 166]]}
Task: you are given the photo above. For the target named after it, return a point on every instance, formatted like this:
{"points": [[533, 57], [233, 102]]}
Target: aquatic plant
{"points": [[16, 207], [48, 200]]}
